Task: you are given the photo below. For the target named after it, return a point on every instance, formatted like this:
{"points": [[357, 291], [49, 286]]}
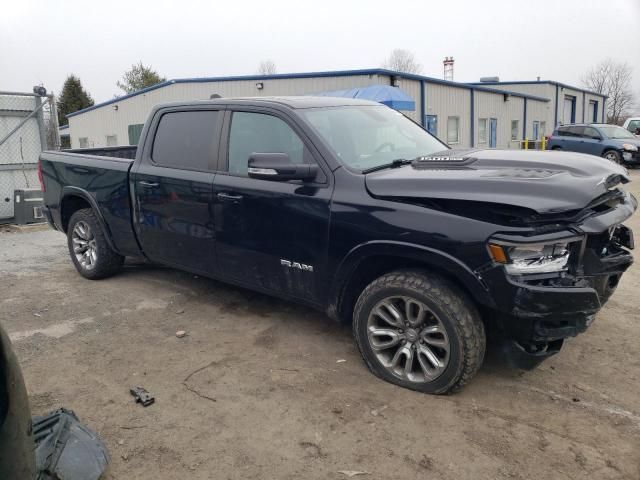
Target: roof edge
{"points": [[284, 76], [542, 82]]}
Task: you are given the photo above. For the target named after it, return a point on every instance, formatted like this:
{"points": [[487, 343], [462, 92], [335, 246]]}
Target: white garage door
{"points": [[568, 109]]}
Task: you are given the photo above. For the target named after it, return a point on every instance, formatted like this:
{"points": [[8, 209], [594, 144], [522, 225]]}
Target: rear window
{"points": [[186, 140]]}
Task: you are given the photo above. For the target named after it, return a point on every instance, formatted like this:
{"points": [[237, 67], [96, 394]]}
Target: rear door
{"points": [[575, 140], [173, 187], [271, 235], [591, 141]]}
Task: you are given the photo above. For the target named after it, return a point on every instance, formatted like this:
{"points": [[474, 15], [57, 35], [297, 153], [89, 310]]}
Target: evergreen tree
{"points": [[72, 98]]}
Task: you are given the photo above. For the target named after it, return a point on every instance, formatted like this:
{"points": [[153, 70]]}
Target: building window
{"points": [[482, 130], [84, 142], [514, 129], [134, 132], [453, 129], [112, 140]]}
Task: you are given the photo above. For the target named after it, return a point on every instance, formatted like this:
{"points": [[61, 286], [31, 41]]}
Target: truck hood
{"points": [[544, 181]]}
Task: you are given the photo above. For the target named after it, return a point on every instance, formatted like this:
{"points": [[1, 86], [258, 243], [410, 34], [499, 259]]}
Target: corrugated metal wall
{"points": [[588, 116], [541, 112], [547, 90], [97, 124], [491, 105], [445, 101], [441, 100]]}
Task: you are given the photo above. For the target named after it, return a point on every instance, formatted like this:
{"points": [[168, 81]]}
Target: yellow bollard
{"points": [[544, 143], [526, 144]]}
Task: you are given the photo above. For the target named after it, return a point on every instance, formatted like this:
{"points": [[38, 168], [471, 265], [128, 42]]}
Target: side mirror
{"points": [[278, 167]]}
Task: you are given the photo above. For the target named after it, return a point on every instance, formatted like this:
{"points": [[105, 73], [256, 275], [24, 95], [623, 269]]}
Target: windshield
{"points": [[612, 131], [365, 137]]}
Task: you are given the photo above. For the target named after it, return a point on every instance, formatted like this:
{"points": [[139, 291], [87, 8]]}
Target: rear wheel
{"points": [[613, 156], [419, 331], [88, 247]]}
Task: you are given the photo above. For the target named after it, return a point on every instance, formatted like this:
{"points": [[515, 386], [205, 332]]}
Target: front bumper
{"points": [[631, 158], [535, 313], [554, 308]]}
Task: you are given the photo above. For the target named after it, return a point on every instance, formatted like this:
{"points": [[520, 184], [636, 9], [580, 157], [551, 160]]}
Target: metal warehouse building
{"points": [[463, 115]]}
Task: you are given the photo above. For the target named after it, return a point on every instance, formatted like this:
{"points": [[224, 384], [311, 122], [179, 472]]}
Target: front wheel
{"points": [[88, 247], [419, 331], [612, 155]]}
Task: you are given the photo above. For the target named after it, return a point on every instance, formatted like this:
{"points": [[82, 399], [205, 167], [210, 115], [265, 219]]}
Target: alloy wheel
{"points": [[84, 245], [408, 339]]}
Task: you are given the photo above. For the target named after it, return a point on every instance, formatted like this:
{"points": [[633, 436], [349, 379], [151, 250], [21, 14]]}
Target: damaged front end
{"points": [[549, 285]]}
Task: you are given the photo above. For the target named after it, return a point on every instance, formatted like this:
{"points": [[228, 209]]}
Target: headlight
{"points": [[629, 148], [534, 258]]}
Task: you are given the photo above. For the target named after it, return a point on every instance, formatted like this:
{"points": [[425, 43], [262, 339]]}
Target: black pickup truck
{"points": [[351, 208]]}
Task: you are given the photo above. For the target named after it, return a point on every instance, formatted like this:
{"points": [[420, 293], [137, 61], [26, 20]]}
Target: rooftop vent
{"points": [[489, 79]]}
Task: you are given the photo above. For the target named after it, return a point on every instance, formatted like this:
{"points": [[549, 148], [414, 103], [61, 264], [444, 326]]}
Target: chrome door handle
{"points": [[142, 183], [226, 197]]}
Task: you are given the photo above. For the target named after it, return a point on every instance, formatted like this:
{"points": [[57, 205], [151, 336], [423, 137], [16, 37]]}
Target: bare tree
{"points": [[402, 60], [613, 79], [267, 67]]}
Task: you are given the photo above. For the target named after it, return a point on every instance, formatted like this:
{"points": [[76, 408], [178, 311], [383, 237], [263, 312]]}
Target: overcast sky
{"points": [[44, 41]]}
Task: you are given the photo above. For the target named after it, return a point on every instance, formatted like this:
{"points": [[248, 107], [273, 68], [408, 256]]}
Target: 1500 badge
{"points": [[299, 266]]}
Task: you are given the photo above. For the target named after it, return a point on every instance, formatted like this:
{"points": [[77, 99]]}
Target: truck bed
{"points": [[99, 177], [128, 152]]}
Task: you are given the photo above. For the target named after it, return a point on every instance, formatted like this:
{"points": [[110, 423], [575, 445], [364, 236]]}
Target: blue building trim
{"points": [[555, 115], [604, 120], [473, 123], [423, 106], [524, 120], [542, 82], [583, 105], [290, 76]]}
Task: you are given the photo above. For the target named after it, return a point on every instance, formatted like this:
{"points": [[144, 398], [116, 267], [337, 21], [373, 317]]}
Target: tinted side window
{"points": [[261, 133], [563, 132], [186, 140], [590, 132], [576, 131]]}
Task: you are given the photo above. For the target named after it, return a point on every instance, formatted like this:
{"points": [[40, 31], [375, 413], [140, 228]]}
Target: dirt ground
{"points": [[258, 388]]}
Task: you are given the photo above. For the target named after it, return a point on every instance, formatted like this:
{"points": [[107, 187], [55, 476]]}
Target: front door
{"points": [[173, 187], [271, 235], [493, 132], [432, 125]]}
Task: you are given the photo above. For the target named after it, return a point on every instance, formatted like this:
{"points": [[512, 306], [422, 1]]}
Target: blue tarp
{"points": [[387, 95]]}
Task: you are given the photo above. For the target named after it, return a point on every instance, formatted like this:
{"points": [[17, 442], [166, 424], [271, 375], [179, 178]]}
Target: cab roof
{"points": [[296, 102]]}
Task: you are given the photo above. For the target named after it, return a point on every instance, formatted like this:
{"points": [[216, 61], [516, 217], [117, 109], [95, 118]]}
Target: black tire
{"points": [[556, 148], [450, 307], [106, 262], [613, 155]]}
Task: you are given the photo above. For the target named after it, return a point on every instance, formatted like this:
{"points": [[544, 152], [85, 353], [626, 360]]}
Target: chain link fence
{"points": [[28, 125]]}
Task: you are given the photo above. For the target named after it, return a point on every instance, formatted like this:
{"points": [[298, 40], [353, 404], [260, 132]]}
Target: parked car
{"points": [[351, 208], [633, 125], [609, 141]]}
